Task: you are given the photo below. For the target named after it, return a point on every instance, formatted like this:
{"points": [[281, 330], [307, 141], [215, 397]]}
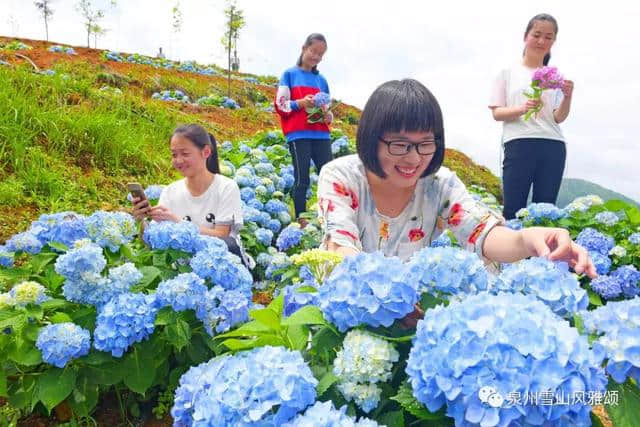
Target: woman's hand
{"points": [[160, 213], [556, 245], [306, 102], [141, 208], [567, 88], [328, 115], [529, 105]]}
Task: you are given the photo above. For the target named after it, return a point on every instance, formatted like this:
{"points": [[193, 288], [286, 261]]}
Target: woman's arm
{"points": [[505, 245], [505, 114], [560, 114]]}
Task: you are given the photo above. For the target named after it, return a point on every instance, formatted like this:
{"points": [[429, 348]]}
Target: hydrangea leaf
{"points": [[107, 373], [3, 384], [327, 380], [625, 413], [55, 385], [24, 353], [409, 403], [236, 344], [392, 419], [84, 397], [267, 317], [140, 369], [307, 315], [179, 334], [298, 336]]}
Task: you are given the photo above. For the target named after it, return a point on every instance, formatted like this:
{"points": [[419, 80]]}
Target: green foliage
{"points": [[624, 412]]}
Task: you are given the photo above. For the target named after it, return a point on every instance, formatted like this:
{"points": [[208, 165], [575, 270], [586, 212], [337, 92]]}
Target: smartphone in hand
{"points": [[137, 191]]}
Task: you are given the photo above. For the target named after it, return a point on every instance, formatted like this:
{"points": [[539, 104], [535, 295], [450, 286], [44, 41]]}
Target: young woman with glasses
{"points": [[395, 197]]}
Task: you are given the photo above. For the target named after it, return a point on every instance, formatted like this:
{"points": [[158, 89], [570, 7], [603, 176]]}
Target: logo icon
{"points": [[490, 396]]}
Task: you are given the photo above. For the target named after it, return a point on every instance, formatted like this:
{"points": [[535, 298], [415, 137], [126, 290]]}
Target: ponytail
{"points": [[212, 162]]}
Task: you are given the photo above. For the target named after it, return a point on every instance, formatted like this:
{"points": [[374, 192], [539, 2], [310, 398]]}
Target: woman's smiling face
{"points": [[403, 171]]}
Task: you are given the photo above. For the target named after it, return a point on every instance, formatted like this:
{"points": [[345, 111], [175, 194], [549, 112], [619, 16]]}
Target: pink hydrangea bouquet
{"points": [[543, 78], [321, 102]]}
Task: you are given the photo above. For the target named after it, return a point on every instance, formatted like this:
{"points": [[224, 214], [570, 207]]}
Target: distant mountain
{"points": [[575, 187]]}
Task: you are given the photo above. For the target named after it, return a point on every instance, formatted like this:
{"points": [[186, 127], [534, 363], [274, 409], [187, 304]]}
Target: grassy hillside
{"points": [[73, 135], [575, 187]]}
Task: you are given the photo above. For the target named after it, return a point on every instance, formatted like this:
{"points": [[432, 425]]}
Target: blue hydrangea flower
{"points": [[183, 292], [536, 212], [264, 236], [86, 258], [6, 257], [274, 225], [250, 214], [601, 262], [125, 275], [264, 258], [362, 362], [550, 282], [24, 242], [323, 414], [607, 218], [247, 194], [256, 204], [594, 241], [277, 262], [618, 251], [514, 224], [607, 287], [289, 237], [442, 241], [266, 386], [629, 278], [448, 270], [222, 268], [264, 169], [226, 146], [62, 342], [181, 235], [634, 239], [123, 321], [153, 192], [321, 99], [28, 292], [284, 218], [288, 179], [219, 309], [294, 300], [275, 206], [618, 323], [507, 343], [61, 227], [370, 289]]}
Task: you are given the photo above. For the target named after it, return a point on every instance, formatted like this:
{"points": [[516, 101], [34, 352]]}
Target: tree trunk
{"points": [[229, 54], [88, 35], [46, 28]]}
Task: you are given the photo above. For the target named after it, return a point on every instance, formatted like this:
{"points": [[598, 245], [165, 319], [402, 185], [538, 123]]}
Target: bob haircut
{"points": [[399, 106], [200, 138]]}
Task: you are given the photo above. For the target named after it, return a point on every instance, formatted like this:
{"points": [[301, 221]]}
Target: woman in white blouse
{"points": [[395, 197]]}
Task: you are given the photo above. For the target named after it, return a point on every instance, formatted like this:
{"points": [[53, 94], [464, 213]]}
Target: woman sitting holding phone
{"points": [[204, 196]]}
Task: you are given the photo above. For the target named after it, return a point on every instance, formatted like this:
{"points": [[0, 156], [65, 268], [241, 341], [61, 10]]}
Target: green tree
{"points": [[91, 16], [46, 12], [97, 31], [234, 23], [176, 18]]}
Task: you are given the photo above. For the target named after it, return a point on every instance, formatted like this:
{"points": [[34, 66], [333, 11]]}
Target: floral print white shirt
{"points": [[349, 217]]}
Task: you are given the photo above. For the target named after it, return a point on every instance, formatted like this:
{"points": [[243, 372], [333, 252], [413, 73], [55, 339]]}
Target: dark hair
{"points": [[399, 106], [201, 138], [541, 17], [310, 39]]}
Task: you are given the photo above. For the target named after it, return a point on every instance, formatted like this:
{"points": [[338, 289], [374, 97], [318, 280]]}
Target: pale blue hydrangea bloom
{"points": [[86, 258], [219, 309], [6, 257], [62, 227], [222, 268], [606, 286], [294, 300], [594, 241], [607, 218], [61, 342], [183, 292], [361, 363], [536, 212], [448, 270], [634, 238], [369, 289], [277, 262], [123, 321], [262, 386], [323, 414], [181, 236], [618, 323], [550, 282], [629, 278], [601, 262], [289, 237], [24, 242], [511, 343]]}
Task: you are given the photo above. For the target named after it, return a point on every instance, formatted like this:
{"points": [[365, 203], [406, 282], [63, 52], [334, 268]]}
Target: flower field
{"points": [[172, 326]]}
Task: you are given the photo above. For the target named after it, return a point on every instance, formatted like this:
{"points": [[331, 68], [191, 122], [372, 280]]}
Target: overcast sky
{"points": [[454, 47]]}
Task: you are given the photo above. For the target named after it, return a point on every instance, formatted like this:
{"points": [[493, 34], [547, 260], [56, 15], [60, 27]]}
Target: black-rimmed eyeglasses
{"points": [[401, 148]]}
